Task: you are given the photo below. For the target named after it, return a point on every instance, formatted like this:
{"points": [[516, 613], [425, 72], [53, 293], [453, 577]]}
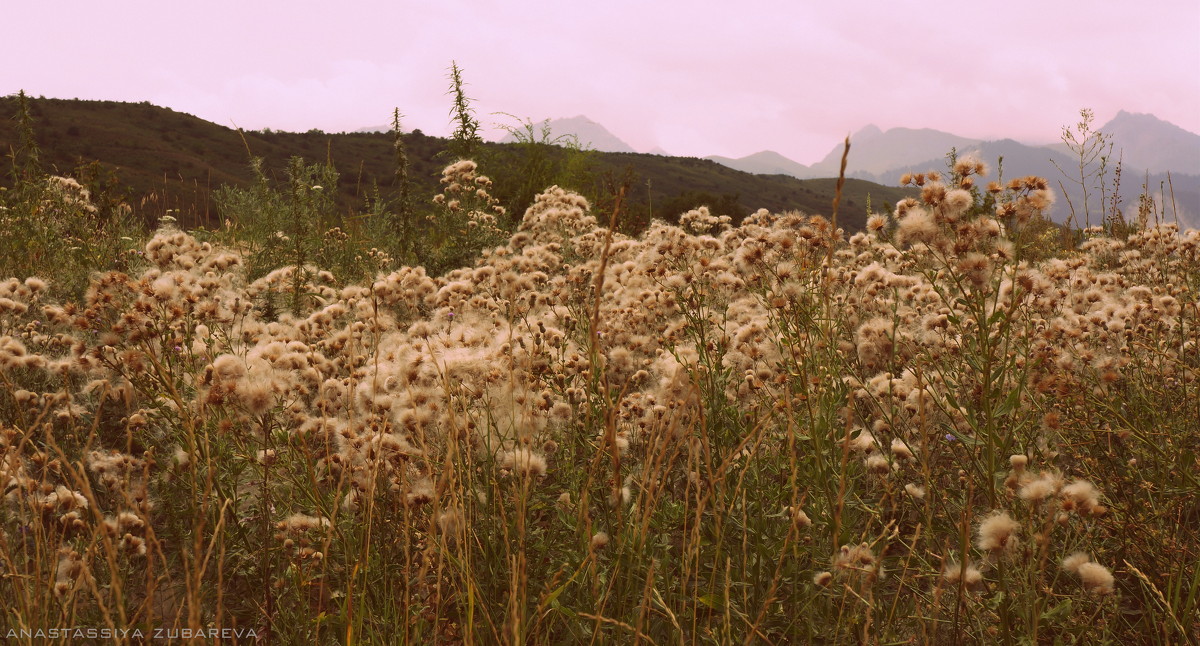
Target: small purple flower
{"points": [[950, 438]]}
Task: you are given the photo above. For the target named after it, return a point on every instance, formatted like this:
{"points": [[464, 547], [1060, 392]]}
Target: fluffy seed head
{"points": [[523, 461], [996, 532], [1042, 487], [1072, 562], [1097, 579], [1081, 495], [954, 573]]}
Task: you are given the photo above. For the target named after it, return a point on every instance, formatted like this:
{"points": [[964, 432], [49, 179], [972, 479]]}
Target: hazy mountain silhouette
{"points": [[589, 134], [767, 162], [1147, 142], [875, 152], [1147, 147]]}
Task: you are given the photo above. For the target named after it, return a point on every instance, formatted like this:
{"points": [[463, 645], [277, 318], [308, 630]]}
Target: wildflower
{"points": [[70, 567], [599, 541], [450, 522], [996, 532], [917, 226], [619, 498], [958, 201], [863, 442], [180, 457], [822, 579], [1072, 562], [901, 450], [1042, 487], [524, 462], [421, 493], [1005, 250], [976, 267], [798, 516], [1081, 495], [300, 523], [257, 394], [954, 573], [876, 463], [1096, 578], [916, 491], [1018, 462], [860, 557]]}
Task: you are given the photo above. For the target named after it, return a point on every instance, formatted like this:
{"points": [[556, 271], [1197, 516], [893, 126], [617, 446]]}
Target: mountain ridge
{"points": [[161, 161], [1152, 152]]}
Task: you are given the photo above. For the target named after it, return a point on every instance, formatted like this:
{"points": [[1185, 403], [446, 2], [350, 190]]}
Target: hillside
{"points": [[172, 160], [165, 159]]}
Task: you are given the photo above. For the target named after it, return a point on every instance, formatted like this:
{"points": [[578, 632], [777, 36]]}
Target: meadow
{"points": [[941, 429]]}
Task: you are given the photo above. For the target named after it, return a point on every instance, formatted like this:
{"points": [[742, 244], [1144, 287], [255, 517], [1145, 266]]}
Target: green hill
{"points": [[160, 159]]}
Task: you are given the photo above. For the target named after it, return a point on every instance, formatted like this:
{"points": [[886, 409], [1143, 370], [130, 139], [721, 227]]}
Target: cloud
{"points": [[730, 79]]}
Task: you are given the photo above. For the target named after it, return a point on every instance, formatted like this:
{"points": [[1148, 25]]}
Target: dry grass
{"points": [[707, 434]]}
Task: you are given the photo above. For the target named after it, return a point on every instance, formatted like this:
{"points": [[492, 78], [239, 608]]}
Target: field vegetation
{"points": [[952, 426], [158, 160]]}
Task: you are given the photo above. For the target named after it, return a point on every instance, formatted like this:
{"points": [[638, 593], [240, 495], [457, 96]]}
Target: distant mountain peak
{"points": [[1146, 142], [1125, 115], [765, 162], [589, 133], [873, 151], [866, 133]]}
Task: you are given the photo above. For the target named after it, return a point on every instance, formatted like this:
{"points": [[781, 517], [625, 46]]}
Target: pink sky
{"points": [[695, 78]]}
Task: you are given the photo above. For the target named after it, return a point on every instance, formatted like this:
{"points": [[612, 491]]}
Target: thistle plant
{"points": [[770, 432], [465, 141], [1091, 151]]}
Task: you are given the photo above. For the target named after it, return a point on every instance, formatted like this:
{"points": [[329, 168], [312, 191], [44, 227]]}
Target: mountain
{"points": [[1147, 142], [873, 152], [588, 133], [767, 162], [1148, 148], [156, 159], [1046, 161]]}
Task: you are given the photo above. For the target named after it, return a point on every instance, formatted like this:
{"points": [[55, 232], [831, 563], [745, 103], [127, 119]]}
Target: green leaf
{"points": [[1010, 403], [1057, 612]]}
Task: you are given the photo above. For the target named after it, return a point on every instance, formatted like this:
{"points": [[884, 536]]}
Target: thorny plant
{"points": [[768, 433]]}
